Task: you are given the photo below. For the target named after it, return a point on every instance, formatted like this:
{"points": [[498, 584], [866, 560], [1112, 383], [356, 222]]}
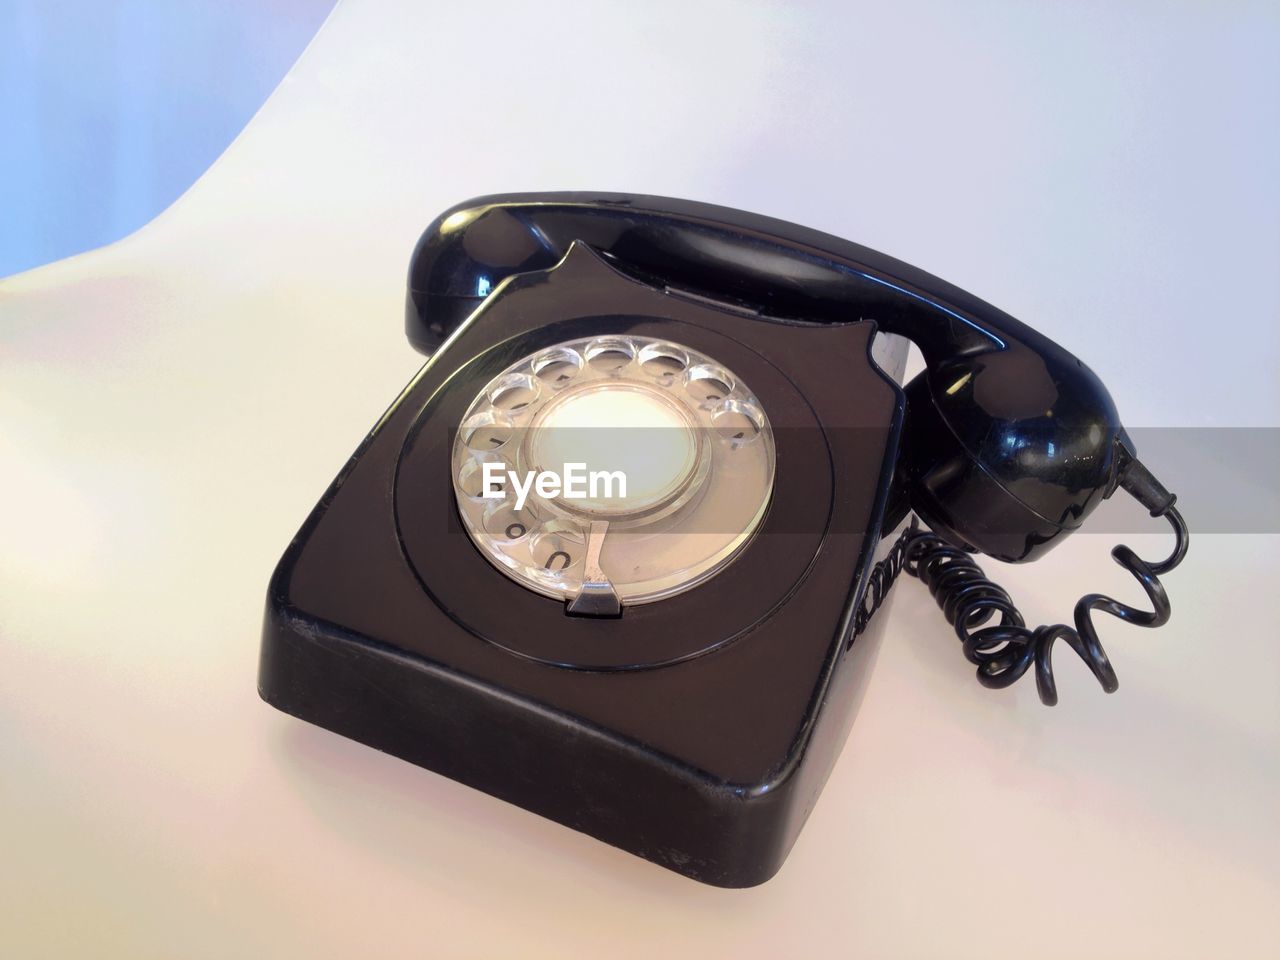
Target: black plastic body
{"points": [[703, 743], [696, 731], [1015, 441]]}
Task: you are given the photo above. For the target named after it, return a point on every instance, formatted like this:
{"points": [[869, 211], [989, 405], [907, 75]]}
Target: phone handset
{"points": [[1009, 443]]}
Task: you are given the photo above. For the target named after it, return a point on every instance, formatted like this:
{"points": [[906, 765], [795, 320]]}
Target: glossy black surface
{"points": [[696, 732], [1019, 440]]}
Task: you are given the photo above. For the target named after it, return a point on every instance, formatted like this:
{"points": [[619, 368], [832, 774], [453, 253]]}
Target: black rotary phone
{"points": [[673, 668]]}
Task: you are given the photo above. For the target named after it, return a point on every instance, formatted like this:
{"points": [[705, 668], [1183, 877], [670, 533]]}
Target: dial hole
{"points": [[471, 481], [513, 393], [486, 431], [556, 551], [707, 384], [663, 361], [737, 423], [505, 522], [557, 367], [610, 354]]}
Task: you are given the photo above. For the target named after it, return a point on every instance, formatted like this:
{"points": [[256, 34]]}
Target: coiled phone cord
{"points": [[1003, 652]]}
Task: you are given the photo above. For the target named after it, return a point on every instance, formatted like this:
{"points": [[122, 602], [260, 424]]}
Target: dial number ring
{"points": [[696, 439]]}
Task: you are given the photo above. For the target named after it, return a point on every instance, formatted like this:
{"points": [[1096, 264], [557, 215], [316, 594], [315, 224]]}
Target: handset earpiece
{"points": [[1007, 451]]}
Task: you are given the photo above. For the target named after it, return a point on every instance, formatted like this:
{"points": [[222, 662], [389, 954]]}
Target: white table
{"points": [[173, 405]]}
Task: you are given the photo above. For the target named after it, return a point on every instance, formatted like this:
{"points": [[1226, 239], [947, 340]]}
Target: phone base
{"points": [[696, 731], [554, 764]]}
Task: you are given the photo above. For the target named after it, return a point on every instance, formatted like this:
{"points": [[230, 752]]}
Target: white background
{"points": [[172, 406], [112, 108]]}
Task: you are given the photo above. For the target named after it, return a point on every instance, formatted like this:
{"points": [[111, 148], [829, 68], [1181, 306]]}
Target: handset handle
{"points": [[781, 269], [1011, 441]]}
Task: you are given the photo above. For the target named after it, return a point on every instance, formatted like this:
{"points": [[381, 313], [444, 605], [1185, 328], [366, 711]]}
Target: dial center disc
{"points": [[635, 446]]}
